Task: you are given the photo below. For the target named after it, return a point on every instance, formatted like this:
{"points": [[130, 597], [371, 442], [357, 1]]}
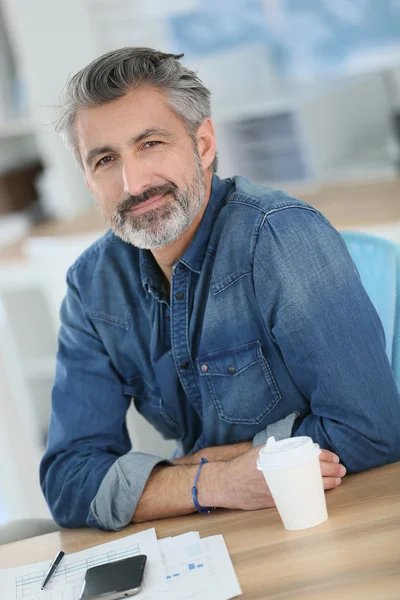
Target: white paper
{"points": [[66, 584], [183, 567], [198, 569]]}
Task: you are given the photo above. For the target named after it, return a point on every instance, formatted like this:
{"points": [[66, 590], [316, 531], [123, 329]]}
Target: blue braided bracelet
{"points": [[200, 509]]}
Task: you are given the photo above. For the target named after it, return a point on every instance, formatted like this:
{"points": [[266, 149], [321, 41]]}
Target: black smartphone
{"points": [[112, 581]]}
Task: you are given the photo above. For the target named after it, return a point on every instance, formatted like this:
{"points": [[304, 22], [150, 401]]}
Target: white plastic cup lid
{"points": [[286, 453]]}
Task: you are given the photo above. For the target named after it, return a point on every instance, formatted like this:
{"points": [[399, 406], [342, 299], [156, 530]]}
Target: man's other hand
{"points": [[245, 486], [331, 469]]}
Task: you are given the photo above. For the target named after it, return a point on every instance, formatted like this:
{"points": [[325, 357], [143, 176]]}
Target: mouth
{"points": [[147, 205]]}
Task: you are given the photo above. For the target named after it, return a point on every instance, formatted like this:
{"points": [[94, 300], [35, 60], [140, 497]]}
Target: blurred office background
{"points": [[306, 97]]}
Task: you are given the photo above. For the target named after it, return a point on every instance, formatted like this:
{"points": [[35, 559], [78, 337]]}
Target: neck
{"points": [[168, 256]]}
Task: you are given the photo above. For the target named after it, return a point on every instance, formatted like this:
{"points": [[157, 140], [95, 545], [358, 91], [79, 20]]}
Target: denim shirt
{"points": [[266, 325]]}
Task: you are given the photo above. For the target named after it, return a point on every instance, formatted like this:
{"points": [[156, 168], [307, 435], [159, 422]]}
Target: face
{"points": [[145, 171]]}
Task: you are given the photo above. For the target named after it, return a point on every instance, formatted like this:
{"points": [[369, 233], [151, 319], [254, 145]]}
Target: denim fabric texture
{"points": [[266, 321]]}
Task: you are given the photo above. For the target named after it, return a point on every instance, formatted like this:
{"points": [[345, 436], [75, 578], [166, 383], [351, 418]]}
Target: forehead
{"points": [[125, 117]]}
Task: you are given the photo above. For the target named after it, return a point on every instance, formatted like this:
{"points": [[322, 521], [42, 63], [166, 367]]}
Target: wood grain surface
{"points": [[355, 555]]}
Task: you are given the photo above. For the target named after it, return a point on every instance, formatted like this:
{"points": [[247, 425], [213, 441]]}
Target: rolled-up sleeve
{"points": [[115, 502], [330, 336], [88, 474], [280, 430]]}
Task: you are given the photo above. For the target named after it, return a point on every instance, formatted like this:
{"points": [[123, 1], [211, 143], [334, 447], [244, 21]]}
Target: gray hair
{"points": [[114, 74]]}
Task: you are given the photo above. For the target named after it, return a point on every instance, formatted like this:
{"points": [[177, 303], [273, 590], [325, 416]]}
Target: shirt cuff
{"points": [[115, 502], [280, 430]]}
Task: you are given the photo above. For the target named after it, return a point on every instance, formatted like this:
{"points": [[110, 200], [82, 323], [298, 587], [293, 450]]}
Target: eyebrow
{"points": [[91, 155], [149, 132]]}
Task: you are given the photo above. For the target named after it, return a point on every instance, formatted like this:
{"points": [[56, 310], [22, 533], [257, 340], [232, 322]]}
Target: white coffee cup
{"points": [[292, 471]]}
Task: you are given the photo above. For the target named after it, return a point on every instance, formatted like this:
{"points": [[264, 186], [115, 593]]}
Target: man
{"points": [[229, 312]]}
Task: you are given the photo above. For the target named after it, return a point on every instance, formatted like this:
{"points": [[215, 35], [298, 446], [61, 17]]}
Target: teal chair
{"points": [[378, 263]]}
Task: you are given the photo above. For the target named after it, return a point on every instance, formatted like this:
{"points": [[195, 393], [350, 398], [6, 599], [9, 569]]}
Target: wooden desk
{"points": [[358, 203], [355, 555]]}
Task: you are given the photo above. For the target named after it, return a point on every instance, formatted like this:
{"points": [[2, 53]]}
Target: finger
{"points": [[328, 456], [331, 483], [329, 469]]}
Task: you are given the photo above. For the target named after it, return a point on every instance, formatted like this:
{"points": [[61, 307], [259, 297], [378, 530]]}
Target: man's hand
{"points": [[331, 469], [245, 487]]}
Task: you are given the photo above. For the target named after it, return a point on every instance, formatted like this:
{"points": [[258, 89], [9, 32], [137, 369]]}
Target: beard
{"points": [[161, 226]]}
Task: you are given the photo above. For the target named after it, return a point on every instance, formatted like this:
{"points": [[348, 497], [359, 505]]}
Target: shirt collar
{"points": [[194, 255]]}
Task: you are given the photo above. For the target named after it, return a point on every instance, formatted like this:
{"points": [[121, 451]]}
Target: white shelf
{"points": [[15, 128]]}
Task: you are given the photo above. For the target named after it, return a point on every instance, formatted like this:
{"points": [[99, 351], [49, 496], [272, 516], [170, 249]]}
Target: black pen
{"points": [[52, 569]]}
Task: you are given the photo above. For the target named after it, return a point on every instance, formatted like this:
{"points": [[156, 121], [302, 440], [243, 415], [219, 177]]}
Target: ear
{"points": [[206, 143]]}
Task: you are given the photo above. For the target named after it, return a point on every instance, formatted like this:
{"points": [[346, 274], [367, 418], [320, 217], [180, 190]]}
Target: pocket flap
{"points": [[230, 361]]}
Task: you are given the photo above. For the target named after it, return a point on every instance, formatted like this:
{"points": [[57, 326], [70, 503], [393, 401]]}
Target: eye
{"points": [[104, 161], [151, 144]]}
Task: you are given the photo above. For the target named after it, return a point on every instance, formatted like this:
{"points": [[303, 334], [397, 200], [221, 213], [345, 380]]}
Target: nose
{"points": [[135, 175]]}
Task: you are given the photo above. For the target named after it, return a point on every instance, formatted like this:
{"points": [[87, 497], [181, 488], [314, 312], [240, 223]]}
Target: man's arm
{"points": [[330, 336], [236, 483], [88, 439]]}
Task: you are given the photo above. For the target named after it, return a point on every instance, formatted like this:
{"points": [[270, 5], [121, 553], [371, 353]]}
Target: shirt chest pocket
{"points": [[241, 383]]}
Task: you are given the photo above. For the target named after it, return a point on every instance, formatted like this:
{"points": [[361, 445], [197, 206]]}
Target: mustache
{"points": [[158, 190]]}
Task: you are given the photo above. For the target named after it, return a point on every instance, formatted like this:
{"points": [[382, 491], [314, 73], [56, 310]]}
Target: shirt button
{"points": [[231, 370], [204, 368], [179, 296], [182, 267], [184, 364]]}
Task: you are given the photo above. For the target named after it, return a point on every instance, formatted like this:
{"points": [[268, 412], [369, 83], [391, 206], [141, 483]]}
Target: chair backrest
{"points": [[378, 263]]}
